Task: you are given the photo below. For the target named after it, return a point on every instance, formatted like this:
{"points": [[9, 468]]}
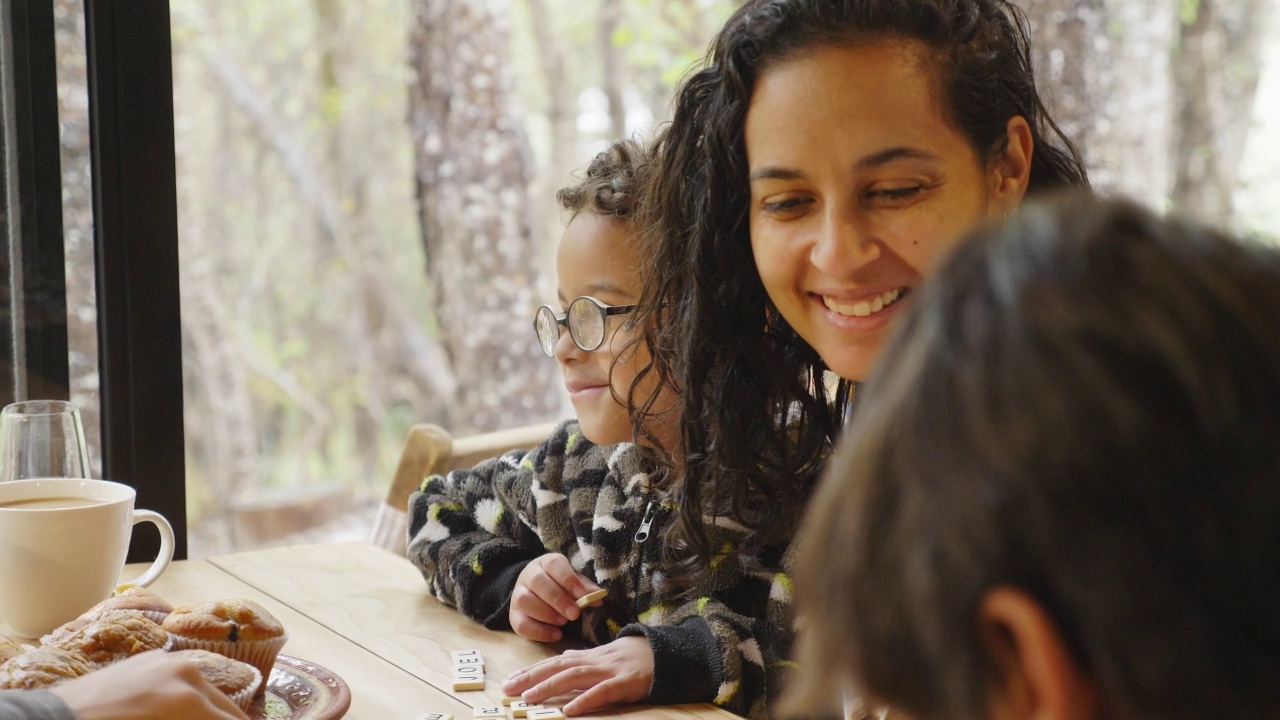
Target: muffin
{"points": [[238, 681], [42, 667], [9, 649], [67, 629], [112, 637], [133, 598], [238, 628]]}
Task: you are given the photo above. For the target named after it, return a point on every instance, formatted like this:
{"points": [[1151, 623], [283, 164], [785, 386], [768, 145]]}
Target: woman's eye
{"points": [[785, 206], [897, 193]]}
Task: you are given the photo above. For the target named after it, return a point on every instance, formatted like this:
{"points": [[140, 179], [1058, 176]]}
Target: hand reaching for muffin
{"points": [[227, 646], [151, 686]]}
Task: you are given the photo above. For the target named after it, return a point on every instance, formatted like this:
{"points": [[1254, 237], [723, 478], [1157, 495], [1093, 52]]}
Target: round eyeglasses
{"points": [[586, 319]]}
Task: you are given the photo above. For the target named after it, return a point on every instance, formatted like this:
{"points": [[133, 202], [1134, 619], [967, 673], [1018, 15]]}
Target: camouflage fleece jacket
{"points": [[472, 532]]}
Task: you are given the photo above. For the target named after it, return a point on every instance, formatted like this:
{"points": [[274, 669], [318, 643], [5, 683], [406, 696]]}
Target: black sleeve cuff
{"points": [[493, 597], [687, 666]]}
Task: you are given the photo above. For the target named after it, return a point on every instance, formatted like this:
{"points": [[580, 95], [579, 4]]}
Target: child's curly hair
{"points": [[612, 182]]}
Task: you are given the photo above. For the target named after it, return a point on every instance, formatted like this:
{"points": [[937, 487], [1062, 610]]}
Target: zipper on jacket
{"points": [[646, 522]]}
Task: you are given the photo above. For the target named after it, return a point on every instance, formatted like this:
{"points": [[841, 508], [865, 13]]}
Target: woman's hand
{"points": [[150, 686], [544, 598], [619, 672]]}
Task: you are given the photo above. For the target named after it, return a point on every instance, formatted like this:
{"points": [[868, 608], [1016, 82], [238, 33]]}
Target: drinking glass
{"points": [[42, 439]]}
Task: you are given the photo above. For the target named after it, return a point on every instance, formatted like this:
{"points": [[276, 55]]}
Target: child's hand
{"points": [[544, 598], [619, 672]]}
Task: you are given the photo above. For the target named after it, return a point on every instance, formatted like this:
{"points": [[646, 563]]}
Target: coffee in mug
{"points": [[63, 544], [52, 503]]}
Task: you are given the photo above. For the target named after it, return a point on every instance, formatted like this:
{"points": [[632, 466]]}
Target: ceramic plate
{"points": [[301, 690]]}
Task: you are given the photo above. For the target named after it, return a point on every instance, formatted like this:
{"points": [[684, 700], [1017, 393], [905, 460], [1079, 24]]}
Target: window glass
{"points": [[366, 216], [77, 220]]}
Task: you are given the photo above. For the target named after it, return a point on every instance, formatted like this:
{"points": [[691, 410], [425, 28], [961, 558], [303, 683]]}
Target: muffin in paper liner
{"points": [[260, 654], [237, 628], [114, 636], [238, 680], [60, 634], [244, 698], [41, 668], [131, 598]]}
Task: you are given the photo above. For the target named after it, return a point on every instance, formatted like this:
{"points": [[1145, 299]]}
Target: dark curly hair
{"points": [[743, 373], [1084, 406], [612, 182]]}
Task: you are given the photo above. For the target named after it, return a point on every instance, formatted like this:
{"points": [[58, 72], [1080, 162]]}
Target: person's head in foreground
{"points": [[815, 169], [598, 277], [1062, 496]]}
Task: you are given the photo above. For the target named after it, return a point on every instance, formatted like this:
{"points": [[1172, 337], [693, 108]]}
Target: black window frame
{"points": [[135, 211], [34, 352]]}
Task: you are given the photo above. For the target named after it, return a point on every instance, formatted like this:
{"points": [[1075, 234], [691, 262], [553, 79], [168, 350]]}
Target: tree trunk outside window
{"points": [[473, 178]]}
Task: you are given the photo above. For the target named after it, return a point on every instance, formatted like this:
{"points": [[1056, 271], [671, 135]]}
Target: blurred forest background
{"points": [[367, 212]]}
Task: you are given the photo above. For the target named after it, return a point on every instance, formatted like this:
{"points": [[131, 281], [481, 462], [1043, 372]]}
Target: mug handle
{"points": [[166, 546]]}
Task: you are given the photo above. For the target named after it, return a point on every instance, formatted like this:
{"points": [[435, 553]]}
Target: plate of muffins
{"points": [[235, 644]]}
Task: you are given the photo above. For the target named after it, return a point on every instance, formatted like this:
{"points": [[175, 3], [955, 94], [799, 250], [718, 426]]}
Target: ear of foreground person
{"points": [[1060, 495]]}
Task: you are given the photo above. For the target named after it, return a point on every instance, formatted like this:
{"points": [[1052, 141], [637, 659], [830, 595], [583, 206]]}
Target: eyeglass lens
{"points": [[586, 323], [544, 323]]}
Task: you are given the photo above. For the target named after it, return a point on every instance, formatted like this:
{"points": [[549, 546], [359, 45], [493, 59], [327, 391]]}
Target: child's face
{"points": [[597, 257]]}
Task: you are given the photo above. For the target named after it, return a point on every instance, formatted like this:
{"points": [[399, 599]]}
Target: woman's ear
{"points": [[1010, 171], [1037, 678]]}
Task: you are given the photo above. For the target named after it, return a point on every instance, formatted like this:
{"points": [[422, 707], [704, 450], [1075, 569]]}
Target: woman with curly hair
{"points": [[817, 166]]}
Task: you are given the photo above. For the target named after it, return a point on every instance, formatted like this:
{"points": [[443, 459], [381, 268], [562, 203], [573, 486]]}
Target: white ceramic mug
{"points": [[62, 547]]}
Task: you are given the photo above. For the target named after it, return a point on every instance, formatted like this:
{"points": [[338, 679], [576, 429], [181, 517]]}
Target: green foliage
{"points": [[1189, 11]]}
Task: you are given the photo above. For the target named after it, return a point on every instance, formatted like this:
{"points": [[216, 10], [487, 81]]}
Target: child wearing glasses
{"points": [[1062, 498], [515, 541]]}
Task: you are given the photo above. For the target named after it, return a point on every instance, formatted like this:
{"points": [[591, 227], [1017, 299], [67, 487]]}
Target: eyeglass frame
{"points": [[562, 320]]}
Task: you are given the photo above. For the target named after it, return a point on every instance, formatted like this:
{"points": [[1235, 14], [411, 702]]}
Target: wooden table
{"points": [[366, 615]]}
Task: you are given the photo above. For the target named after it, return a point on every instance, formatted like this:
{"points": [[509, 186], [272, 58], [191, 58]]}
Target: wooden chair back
{"points": [[430, 450]]}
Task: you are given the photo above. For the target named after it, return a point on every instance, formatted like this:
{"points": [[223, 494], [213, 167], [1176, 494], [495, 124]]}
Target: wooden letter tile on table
{"points": [[467, 657], [520, 708], [545, 714], [468, 683], [482, 712]]}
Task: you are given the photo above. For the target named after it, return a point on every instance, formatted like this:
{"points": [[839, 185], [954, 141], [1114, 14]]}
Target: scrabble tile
{"points": [[471, 671], [456, 654], [508, 699], [545, 714], [482, 712], [467, 683], [591, 597], [520, 708], [468, 660], [436, 716]]}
